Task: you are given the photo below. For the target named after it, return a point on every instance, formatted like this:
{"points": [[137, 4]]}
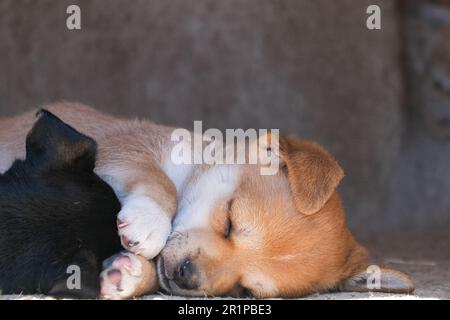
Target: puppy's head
{"points": [[52, 205], [240, 233]]}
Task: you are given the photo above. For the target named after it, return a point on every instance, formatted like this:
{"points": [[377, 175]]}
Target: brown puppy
{"points": [[236, 232]]}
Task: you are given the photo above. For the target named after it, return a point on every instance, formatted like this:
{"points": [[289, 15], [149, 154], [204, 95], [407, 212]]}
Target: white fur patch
{"points": [[177, 173], [202, 194], [260, 284], [147, 223], [285, 257]]}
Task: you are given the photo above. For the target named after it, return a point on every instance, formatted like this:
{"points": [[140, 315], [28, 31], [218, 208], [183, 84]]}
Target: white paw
{"points": [[143, 226], [121, 277]]}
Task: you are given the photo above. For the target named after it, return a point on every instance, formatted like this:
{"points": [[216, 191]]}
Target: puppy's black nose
{"points": [[186, 276]]}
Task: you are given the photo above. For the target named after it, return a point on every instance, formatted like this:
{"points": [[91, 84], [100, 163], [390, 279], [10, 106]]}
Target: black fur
{"points": [[55, 212]]}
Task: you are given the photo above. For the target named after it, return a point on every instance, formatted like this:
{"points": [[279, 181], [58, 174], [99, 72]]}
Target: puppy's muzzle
{"points": [[182, 276], [186, 276]]}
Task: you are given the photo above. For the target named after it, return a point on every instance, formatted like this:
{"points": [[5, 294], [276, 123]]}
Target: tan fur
{"points": [[289, 233], [299, 253], [314, 174], [148, 281]]}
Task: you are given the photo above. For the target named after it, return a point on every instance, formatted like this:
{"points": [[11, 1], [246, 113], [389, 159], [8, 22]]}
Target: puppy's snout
{"points": [[186, 275]]}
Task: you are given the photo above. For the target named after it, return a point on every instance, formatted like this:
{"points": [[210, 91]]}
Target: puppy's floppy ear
{"points": [[313, 173], [377, 279], [54, 144]]}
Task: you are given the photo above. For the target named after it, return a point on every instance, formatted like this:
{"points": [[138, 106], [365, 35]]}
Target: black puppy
{"points": [[57, 218]]}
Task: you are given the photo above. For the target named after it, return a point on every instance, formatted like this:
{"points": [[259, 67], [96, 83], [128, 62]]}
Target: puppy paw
{"points": [[126, 276], [143, 226]]}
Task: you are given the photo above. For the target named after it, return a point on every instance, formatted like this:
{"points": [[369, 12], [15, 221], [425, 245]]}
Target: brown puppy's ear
{"points": [[313, 173], [377, 279]]}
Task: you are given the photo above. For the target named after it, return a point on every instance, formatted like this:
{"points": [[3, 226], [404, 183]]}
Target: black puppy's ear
{"points": [[54, 144]]}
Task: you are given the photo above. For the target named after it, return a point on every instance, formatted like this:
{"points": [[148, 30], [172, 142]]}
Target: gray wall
{"points": [[306, 67]]}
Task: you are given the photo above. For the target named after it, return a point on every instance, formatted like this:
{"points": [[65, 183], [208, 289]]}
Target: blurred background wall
{"points": [[379, 100]]}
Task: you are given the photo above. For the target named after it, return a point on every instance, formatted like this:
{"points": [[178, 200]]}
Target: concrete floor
{"points": [[425, 256]]}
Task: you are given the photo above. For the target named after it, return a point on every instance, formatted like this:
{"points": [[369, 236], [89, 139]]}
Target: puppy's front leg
{"points": [[149, 201]]}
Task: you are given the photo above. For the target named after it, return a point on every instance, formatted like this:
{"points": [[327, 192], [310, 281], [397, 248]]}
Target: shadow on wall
{"points": [[307, 67]]}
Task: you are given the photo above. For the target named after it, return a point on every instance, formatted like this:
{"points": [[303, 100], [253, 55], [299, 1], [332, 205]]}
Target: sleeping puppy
{"points": [[219, 230], [57, 217]]}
